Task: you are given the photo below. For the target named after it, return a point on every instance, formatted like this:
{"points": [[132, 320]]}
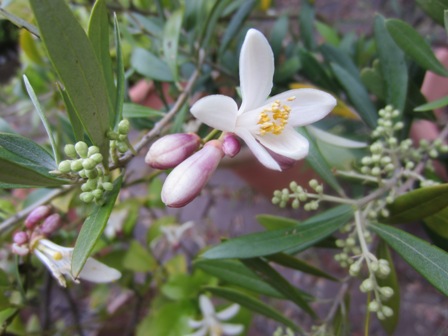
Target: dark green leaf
{"points": [[271, 222], [252, 304], [357, 95], [329, 34], [131, 110], [428, 260], [389, 324], [436, 104], [372, 80], [211, 22], [306, 24], [316, 72], [300, 265], [98, 32], [438, 222], [171, 34], [235, 23], [341, 321], [93, 227], [75, 123], [119, 98], [291, 240], [336, 55], [148, 65], [392, 66], [414, 46], [278, 34], [277, 281], [434, 8], [75, 61], [417, 204], [287, 69], [138, 259]]}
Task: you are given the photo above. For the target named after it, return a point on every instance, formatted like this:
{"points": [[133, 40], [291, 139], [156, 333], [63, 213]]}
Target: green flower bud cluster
{"points": [[119, 139], [280, 332], [298, 194], [350, 248], [86, 163]]}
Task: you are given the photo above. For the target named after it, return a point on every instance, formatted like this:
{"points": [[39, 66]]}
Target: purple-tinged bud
{"points": [[170, 150], [20, 250], [36, 216], [20, 238], [187, 180], [231, 145], [51, 224], [283, 161]]}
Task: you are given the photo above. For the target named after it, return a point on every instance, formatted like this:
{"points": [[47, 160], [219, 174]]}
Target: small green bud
{"points": [[384, 271], [122, 137], [92, 183], [385, 213], [88, 163], [387, 311], [424, 143], [112, 135], [395, 114], [433, 153], [365, 170], [380, 315], [76, 165], [385, 160], [307, 207], [392, 141], [81, 148], [319, 189], [374, 306], [295, 204], [444, 148], [366, 286], [386, 292], [366, 160], [123, 127], [356, 250], [374, 266], [65, 166], [314, 205], [107, 186], [122, 147], [92, 173], [275, 200], [313, 183], [340, 243], [350, 241], [70, 151], [86, 197], [354, 269], [86, 187], [277, 193], [293, 186], [97, 157], [82, 173], [398, 126], [97, 193], [92, 150], [376, 171]]}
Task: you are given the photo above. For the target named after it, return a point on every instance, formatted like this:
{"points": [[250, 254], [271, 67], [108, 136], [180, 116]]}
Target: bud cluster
{"points": [[86, 163], [299, 195], [119, 139], [41, 222]]}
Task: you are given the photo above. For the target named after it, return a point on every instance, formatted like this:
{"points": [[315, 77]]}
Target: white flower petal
{"points": [[334, 139], [309, 105], [232, 329], [200, 332], [228, 313], [206, 306], [290, 143], [96, 271], [258, 150], [217, 111], [195, 324], [256, 70]]}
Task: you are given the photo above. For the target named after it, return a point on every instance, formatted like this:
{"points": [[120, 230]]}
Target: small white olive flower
{"points": [[173, 233], [211, 324], [58, 260], [266, 125]]}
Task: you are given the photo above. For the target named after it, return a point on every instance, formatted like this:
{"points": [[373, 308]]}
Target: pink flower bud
{"points": [[51, 224], [231, 145], [20, 250], [20, 237], [36, 216], [170, 150], [187, 180]]}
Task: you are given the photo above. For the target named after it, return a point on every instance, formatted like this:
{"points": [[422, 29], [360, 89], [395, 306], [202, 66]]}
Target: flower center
{"points": [[273, 119]]}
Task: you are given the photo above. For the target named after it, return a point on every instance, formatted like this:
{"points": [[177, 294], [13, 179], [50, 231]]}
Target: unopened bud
{"points": [[354, 269], [36, 216], [70, 151], [81, 148], [92, 150], [97, 157], [386, 292], [231, 145], [107, 186], [51, 224], [187, 180], [86, 197], [170, 150], [366, 285], [65, 166], [20, 250], [374, 306], [88, 163], [387, 311], [76, 165], [20, 238], [123, 126]]}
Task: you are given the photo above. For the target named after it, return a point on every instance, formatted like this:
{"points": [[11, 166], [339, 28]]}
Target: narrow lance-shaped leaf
{"points": [[93, 227], [306, 23], [252, 304], [436, 104], [291, 240], [75, 61], [417, 204], [392, 66], [434, 8], [75, 123], [430, 261], [414, 46], [171, 34], [119, 97]]}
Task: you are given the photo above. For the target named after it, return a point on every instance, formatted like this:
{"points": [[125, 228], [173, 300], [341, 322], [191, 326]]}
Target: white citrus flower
{"points": [[58, 260], [211, 324], [264, 123]]}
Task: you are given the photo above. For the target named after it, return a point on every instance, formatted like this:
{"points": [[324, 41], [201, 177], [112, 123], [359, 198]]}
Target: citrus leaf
{"points": [[171, 34], [436, 104], [149, 65], [430, 261]]}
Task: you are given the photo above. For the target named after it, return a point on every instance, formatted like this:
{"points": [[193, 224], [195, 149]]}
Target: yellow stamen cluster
{"points": [[273, 119]]}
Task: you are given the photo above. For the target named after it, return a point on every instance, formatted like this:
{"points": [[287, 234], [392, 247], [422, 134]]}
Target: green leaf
{"points": [[357, 94], [138, 259], [338, 56], [287, 69], [415, 46], [148, 65], [430, 261], [93, 227], [185, 286], [439, 222], [278, 34], [42, 117], [436, 104], [372, 80], [236, 23], [235, 273], [390, 323], [171, 33], [277, 281], [75, 61], [271, 222], [392, 66], [290, 240], [131, 110], [329, 34], [316, 72], [119, 97], [98, 32], [212, 20], [341, 321], [299, 265], [252, 304], [75, 123], [317, 161], [434, 8], [417, 204], [306, 24]]}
